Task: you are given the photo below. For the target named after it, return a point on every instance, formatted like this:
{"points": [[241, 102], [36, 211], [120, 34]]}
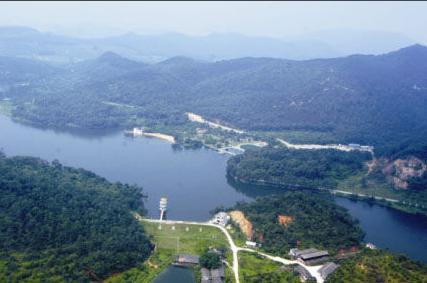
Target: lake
{"points": [[175, 274], [194, 181]]}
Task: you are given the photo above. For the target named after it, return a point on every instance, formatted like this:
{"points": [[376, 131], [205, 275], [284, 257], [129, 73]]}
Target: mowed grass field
{"points": [[183, 238]]}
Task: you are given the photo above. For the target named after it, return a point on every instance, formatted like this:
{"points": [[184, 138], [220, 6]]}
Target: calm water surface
{"points": [[193, 180], [176, 274]]}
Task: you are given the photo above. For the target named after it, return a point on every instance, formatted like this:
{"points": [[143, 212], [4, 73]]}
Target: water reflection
{"points": [[385, 227]]}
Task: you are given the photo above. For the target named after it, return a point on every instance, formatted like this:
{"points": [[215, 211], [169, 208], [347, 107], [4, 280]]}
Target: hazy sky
{"points": [[278, 19]]}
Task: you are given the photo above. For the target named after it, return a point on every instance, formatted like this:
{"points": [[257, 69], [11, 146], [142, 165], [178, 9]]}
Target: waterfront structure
{"points": [[186, 260], [163, 207], [137, 132], [221, 218]]}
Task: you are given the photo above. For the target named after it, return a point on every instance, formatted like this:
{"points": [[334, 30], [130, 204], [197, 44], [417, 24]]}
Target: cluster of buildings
{"points": [[221, 218], [216, 275], [313, 257]]}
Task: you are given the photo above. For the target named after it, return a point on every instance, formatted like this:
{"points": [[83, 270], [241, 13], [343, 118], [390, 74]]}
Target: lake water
{"points": [[193, 180], [174, 274]]}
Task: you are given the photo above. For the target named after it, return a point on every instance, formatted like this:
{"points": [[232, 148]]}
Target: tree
{"points": [[210, 260]]}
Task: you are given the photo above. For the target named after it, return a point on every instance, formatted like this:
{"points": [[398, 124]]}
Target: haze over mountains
{"points": [[31, 43], [378, 100]]}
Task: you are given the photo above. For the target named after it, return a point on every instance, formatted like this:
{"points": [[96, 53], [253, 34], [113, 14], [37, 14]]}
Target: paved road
{"points": [[314, 270], [341, 147], [363, 195]]}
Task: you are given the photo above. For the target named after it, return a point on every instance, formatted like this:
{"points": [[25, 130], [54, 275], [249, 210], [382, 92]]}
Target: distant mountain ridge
{"points": [[30, 43], [378, 100]]}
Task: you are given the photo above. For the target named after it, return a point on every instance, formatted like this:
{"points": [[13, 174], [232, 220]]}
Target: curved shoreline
{"points": [[385, 202]]}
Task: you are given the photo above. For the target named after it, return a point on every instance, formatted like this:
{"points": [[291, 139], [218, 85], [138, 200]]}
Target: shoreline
{"points": [[384, 202], [391, 203], [161, 136]]}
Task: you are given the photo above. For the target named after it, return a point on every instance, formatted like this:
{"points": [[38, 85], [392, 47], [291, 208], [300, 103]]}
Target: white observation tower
{"points": [[163, 207]]}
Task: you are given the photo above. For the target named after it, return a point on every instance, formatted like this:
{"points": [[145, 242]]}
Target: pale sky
{"points": [[277, 19]]}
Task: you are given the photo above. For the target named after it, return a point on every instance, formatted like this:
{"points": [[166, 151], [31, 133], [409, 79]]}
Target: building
{"points": [[163, 203], [315, 258], [221, 218], [309, 256], [327, 269], [218, 275], [213, 275], [186, 260], [206, 275], [137, 132], [304, 275], [371, 246], [354, 145], [251, 244], [296, 253], [163, 207]]}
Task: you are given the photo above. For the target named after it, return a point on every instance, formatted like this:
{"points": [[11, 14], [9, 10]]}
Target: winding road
{"points": [[313, 270]]}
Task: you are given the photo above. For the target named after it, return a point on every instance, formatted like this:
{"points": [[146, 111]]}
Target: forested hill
{"points": [[59, 224], [377, 100], [379, 266], [292, 219]]}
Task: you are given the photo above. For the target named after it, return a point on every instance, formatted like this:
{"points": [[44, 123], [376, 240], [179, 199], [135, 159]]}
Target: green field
{"points": [[171, 239], [183, 238]]}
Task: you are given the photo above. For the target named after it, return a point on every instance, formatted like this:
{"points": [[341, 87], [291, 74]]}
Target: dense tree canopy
{"points": [[65, 224], [372, 266], [300, 168], [210, 260], [314, 221]]}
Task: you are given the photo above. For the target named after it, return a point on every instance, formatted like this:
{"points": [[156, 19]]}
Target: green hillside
{"points": [[376, 100], [62, 224]]}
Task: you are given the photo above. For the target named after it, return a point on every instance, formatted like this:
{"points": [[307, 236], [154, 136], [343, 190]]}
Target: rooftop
{"points": [[327, 269], [297, 252], [187, 258], [314, 255]]}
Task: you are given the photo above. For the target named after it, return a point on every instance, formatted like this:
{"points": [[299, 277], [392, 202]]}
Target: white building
{"points": [[251, 244], [221, 218], [137, 131]]}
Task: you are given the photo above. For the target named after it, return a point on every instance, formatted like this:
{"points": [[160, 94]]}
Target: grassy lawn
{"points": [[254, 268], [170, 240], [183, 238]]}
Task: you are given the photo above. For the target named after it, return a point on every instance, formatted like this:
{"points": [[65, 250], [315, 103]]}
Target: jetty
{"points": [[138, 132]]}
